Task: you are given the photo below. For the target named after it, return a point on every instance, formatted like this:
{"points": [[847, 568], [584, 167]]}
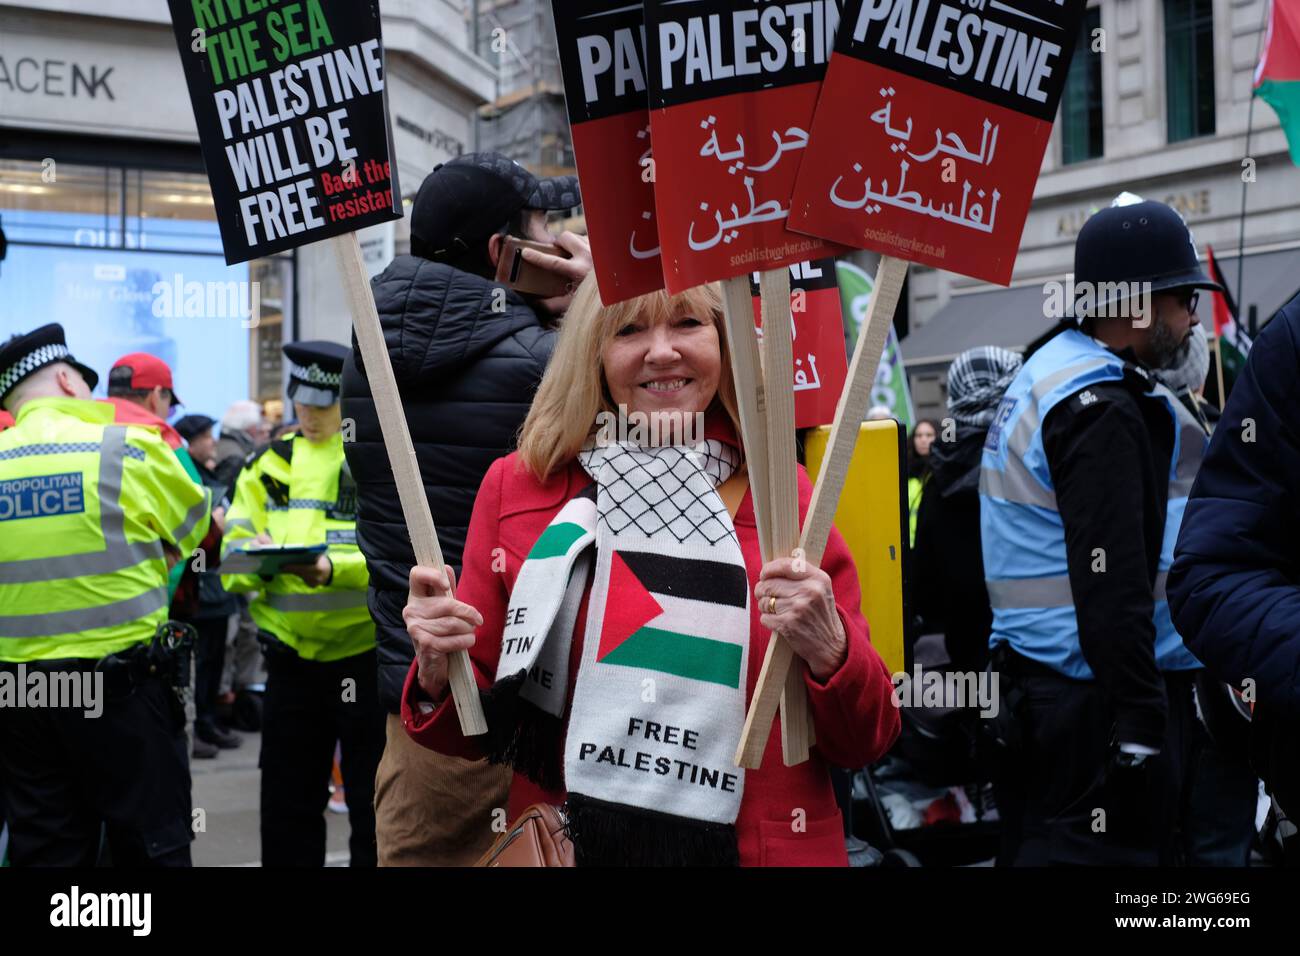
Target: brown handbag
{"points": [[540, 835]]}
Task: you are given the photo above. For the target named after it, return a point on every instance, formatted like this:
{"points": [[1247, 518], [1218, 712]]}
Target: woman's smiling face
{"points": [[664, 366]]}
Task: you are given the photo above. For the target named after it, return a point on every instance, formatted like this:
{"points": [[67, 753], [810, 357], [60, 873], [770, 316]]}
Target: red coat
{"points": [[852, 713]]}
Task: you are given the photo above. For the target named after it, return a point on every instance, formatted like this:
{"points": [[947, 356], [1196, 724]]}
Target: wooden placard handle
{"points": [[778, 378], [747, 372], [401, 455], [853, 404], [1218, 370]]}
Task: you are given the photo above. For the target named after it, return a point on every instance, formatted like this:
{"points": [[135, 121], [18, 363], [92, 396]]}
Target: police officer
{"points": [[1084, 478], [316, 630], [90, 512]]}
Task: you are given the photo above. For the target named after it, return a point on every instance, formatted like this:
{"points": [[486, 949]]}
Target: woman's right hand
{"points": [[438, 624]]}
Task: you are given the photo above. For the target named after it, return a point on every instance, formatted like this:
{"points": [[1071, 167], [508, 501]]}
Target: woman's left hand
{"points": [[803, 612]]}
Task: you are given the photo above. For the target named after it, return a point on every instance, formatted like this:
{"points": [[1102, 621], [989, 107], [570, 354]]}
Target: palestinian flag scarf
{"points": [[659, 700]]}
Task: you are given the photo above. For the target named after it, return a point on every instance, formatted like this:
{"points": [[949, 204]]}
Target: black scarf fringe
{"points": [[522, 735], [611, 834]]}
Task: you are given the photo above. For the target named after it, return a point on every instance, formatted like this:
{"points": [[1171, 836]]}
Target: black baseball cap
{"points": [[464, 201], [191, 427]]}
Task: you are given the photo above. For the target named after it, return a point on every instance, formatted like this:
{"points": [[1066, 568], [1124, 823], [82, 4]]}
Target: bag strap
{"points": [[732, 491]]}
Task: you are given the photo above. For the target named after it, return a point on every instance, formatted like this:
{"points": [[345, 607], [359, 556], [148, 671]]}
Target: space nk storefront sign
{"points": [[733, 85], [289, 103], [931, 128], [602, 57]]}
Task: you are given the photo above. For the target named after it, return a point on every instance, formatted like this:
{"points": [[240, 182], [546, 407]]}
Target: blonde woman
{"points": [[617, 611]]}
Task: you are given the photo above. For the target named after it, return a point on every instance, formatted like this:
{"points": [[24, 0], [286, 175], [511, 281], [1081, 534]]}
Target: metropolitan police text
{"points": [[41, 496]]}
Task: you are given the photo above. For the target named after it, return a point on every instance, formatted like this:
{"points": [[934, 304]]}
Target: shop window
{"points": [[1081, 118], [55, 203], [169, 210], [130, 260], [1189, 68]]}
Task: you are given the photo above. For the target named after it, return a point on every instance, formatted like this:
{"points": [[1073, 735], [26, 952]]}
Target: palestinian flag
{"points": [[1234, 343], [663, 614], [1277, 78], [561, 533]]}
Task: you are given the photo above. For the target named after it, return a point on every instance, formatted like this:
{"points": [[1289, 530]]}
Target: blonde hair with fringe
{"points": [[573, 389]]}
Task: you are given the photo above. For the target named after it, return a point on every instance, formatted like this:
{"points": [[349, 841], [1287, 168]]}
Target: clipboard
{"points": [[269, 561]]}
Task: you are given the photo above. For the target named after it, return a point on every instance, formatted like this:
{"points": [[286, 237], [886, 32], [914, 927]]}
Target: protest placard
{"points": [[602, 58], [820, 362], [931, 128], [293, 125], [733, 85], [290, 108]]}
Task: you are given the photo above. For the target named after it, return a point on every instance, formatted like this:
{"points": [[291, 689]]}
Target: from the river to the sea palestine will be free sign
{"points": [[288, 97]]}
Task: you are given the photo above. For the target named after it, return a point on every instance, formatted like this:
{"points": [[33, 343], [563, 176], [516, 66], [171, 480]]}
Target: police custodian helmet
{"points": [[1146, 242]]}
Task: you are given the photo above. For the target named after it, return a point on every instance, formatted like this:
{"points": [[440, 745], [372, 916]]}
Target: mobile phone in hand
{"points": [[515, 272]]}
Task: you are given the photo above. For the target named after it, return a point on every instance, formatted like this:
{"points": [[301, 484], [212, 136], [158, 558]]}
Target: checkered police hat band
{"points": [[29, 363], [315, 375]]}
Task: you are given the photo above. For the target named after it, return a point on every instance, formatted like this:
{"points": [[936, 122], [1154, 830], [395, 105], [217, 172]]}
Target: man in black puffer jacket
{"points": [[468, 354]]}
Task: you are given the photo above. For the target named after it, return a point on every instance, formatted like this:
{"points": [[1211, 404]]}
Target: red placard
{"points": [[602, 57], [733, 86], [931, 128], [820, 360]]}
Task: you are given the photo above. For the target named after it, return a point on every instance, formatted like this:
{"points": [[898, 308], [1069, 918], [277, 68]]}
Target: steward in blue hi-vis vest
{"points": [[1022, 535]]}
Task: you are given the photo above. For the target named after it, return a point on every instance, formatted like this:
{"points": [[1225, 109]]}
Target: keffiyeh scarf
{"points": [[659, 700], [977, 380]]}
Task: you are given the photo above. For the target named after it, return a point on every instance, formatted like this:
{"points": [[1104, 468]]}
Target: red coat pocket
{"points": [[821, 842]]}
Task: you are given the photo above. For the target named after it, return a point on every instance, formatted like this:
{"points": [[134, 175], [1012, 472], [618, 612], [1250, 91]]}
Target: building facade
{"points": [[1158, 104], [109, 216], [526, 118]]}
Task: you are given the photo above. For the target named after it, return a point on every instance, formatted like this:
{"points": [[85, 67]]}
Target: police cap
{"points": [[22, 355], [315, 371]]}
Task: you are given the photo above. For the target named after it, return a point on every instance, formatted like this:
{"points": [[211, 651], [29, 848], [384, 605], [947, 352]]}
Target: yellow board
{"points": [[871, 517]]}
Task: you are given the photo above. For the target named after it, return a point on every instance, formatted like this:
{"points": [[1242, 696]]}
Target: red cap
{"points": [[147, 371]]}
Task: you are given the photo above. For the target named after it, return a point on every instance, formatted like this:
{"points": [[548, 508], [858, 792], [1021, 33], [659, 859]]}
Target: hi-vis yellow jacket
{"points": [[85, 509], [300, 492]]}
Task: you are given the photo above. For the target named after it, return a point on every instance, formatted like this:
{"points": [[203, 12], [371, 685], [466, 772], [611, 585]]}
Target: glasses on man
{"points": [[1190, 300]]}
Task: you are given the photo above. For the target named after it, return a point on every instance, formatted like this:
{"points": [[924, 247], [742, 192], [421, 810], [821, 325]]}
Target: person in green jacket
{"points": [[316, 630]]}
